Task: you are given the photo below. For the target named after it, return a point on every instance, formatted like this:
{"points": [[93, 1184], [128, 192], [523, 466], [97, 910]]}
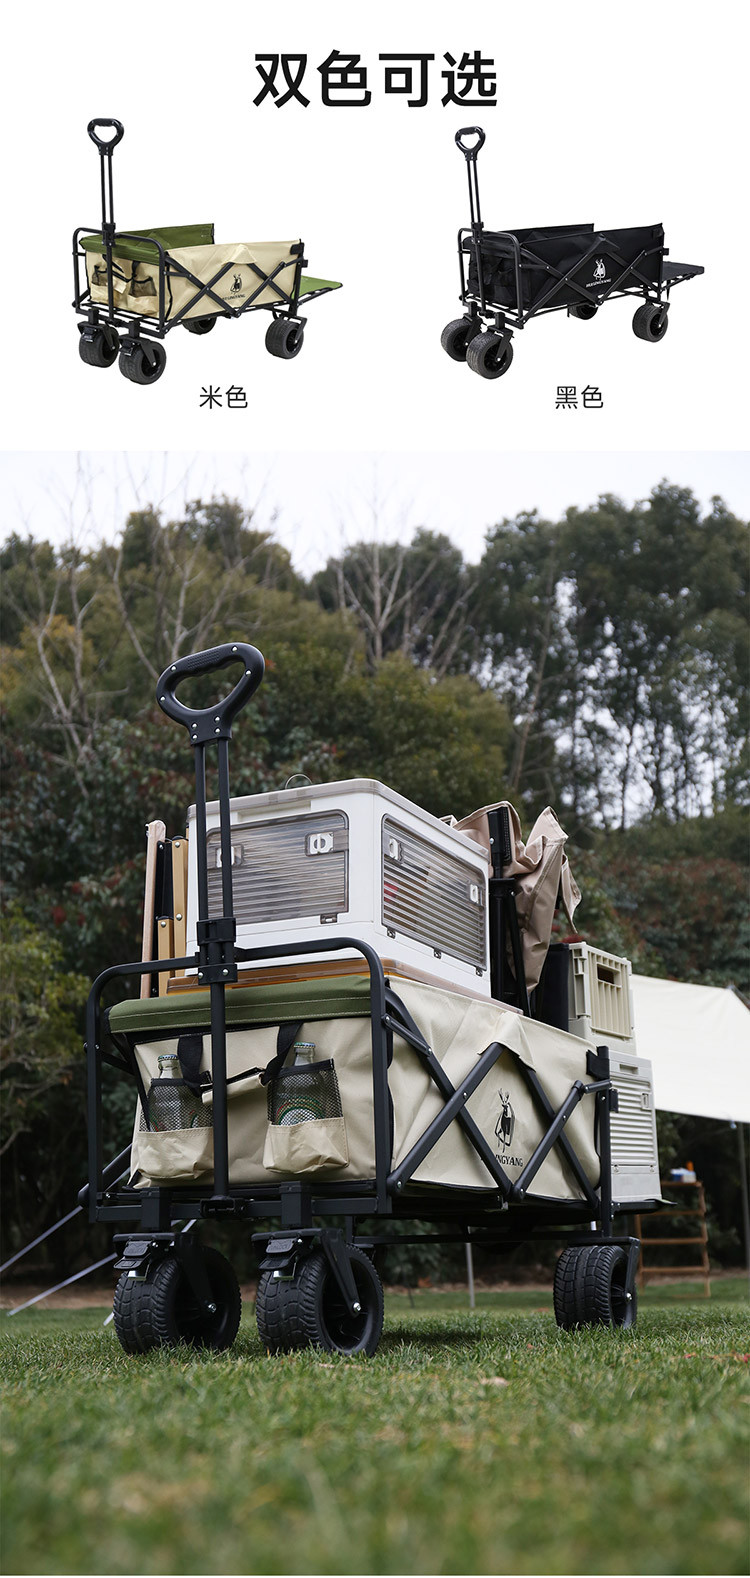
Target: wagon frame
{"points": [[305, 1238], [142, 359], [496, 321]]}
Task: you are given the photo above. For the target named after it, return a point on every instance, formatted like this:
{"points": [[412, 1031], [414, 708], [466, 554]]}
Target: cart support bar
{"points": [[577, 1092], [437, 1128]]}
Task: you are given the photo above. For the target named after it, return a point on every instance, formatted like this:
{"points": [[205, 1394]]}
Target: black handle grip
{"points": [[470, 131], [106, 144], [211, 723]]}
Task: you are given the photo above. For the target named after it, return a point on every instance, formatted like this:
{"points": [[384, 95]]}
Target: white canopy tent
{"points": [[698, 1041]]}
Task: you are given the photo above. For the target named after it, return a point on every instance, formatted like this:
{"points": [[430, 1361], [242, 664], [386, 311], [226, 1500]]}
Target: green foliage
{"points": [[39, 1037], [470, 1443]]}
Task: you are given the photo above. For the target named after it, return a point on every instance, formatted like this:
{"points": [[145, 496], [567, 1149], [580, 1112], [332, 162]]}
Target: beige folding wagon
{"points": [[354, 1012], [137, 285]]}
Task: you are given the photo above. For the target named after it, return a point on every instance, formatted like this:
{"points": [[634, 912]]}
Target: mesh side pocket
{"points": [[173, 1105], [306, 1131], [301, 1094], [142, 287], [179, 1146]]}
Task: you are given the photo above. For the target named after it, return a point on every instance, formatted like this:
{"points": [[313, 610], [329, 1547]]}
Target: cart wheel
{"points": [[456, 336], [272, 1313], [584, 310], [309, 1312], [143, 361], [100, 348], [490, 355], [162, 1311], [590, 1288], [651, 321], [199, 325], [284, 339]]}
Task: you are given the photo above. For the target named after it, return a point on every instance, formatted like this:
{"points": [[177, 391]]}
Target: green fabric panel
{"points": [[308, 283], [169, 236], [246, 1005]]}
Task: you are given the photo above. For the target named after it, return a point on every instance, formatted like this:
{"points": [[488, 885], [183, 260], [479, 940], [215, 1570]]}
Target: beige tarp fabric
{"points": [[542, 870], [137, 284], [458, 1030]]}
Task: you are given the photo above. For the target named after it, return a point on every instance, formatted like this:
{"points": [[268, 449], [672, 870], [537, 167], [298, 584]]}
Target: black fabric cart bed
{"points": [[508, 277], [140, 284]]}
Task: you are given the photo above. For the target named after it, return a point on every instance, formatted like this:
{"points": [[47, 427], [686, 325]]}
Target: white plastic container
{"points": [[357, 858]]}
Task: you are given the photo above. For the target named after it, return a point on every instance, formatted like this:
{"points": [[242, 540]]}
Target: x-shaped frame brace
{"points": [[399, 1022]]}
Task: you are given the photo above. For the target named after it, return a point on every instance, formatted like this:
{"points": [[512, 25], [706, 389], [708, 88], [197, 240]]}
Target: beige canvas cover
{"points": [[458, 1029], [541, 868], [136, 284]]}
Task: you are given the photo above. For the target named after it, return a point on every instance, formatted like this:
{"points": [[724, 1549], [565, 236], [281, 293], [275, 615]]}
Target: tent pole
{"points": [[744, 1192], [470, 1276]]}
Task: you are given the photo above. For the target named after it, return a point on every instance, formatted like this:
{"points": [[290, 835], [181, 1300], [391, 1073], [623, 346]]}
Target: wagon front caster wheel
{"points": [[199, 325], [456, 336], [490, 355], [585, 310], [142, 361], [590, 1288], [309, 1311], [98, 348], [651, 322], [162, 1311], [284, 339]]}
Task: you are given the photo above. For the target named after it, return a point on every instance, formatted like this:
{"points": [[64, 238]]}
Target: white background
{"points": [[605, 114]]}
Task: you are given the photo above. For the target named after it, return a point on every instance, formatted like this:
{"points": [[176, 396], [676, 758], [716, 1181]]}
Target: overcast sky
{"points": [[315, 503]]}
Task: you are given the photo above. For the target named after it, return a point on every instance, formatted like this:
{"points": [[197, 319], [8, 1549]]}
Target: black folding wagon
{"points": [[511, 276], [138, 285]]}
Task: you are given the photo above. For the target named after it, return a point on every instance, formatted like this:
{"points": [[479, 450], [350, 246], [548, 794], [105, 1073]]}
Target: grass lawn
{"points": [[473, 1443]]}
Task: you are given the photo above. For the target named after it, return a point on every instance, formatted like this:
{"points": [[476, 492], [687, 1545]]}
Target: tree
{"points": [[414, 599], [40, 1037]]}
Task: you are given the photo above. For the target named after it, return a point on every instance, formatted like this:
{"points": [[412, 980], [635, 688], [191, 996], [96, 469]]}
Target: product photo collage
{"points": [[375, 1033]]}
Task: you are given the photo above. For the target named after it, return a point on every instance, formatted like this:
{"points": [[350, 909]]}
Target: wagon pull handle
{"points": [[106, 144], [211, 723], [470, 150]]}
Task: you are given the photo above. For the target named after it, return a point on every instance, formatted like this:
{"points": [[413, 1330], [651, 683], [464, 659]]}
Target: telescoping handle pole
{"points": [[216, 936], [106, 146], [470, 152]]}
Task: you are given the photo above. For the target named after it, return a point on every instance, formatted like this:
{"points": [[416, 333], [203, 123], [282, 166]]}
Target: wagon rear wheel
{"points": [[456, 336], [584, 310], [309, 1311], [651, 322], [142, 361], [100, 348], [284, 339], [199, 325], [490, 355], [591, 1288], [163, 1311]]}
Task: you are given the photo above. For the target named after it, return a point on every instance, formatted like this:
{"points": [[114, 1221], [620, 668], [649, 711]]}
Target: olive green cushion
{"points": [[246, 1005], [168, 235]]}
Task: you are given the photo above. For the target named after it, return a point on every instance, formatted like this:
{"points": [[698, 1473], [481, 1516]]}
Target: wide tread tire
{"points": [[144, 364], [489, 355], [101, 350], [651, 322], [284, 339], [200, 325], [584, 310], [456, 336], [272, 1313], [162, 1313], [589, 1288], [310, 1312]]}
